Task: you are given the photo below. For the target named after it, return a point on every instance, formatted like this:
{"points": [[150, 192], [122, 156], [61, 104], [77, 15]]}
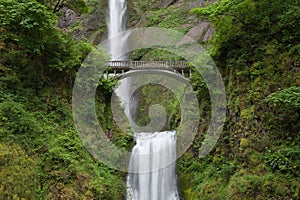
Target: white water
{"points": [[153, 159], [116, 25]]}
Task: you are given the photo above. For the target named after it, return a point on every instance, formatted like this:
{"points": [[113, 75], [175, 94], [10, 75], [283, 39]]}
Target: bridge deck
{"points": [[163, 65]]}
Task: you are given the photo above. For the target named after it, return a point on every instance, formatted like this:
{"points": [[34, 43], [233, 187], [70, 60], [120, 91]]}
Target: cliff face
{"points": [[164, 13], [91, 26]]}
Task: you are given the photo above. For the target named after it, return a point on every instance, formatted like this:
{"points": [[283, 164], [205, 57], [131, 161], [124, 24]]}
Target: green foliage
{"points": [[244, 143], [289, 98], [157, 54], [285, 160], [107, 85], [285, 106], [148, 97], [93, 2], [34, 46], [248, 24], [52, 155], [16, 119], [26, 24], [68, 54], [255, 48], [18, 173], [155, 17], [175, 18], [37, 69], [216, 177], [267, 186], [172, 17], [206, 178]]}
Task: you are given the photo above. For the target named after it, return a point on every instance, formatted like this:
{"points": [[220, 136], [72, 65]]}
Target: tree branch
{"points": [[56, 6]]}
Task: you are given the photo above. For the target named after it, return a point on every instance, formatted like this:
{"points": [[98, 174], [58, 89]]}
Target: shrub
{"points": [[285, 160]]}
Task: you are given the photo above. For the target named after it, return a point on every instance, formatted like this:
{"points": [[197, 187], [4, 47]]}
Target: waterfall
{"points": [[152, 167], [152, 161], [117, 24]]}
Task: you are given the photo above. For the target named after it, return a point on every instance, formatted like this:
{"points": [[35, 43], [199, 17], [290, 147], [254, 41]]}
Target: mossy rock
{"points": [[18, 173]]}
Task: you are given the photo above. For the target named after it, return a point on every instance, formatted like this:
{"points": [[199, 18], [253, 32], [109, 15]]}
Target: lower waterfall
{"points": [[152, 167]]}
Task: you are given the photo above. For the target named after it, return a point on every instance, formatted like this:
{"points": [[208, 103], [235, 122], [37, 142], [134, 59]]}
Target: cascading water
{"points": [[152, 164], [153, 157], [116, 25]]}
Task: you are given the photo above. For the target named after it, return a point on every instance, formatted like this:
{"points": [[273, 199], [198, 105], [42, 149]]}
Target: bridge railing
{"points": [[151, 64]]}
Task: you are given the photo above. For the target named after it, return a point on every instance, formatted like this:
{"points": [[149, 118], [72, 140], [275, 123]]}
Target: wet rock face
{"points": [[94, 24], [165, 3], [91, 26], [197, 3], [68, 18], [200, 30], [203, 31]]}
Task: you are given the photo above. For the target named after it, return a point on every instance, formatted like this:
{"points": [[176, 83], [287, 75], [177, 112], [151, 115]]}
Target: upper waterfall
{"points": [[116, 24]]}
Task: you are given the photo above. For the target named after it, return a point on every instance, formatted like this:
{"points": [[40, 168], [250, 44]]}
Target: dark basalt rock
{"points": [[165, 3], [67, 18]]}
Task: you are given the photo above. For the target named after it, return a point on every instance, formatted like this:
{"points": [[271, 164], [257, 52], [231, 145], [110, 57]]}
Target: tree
{"points": [[56, 5], [32, 47], [248, 24]]}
